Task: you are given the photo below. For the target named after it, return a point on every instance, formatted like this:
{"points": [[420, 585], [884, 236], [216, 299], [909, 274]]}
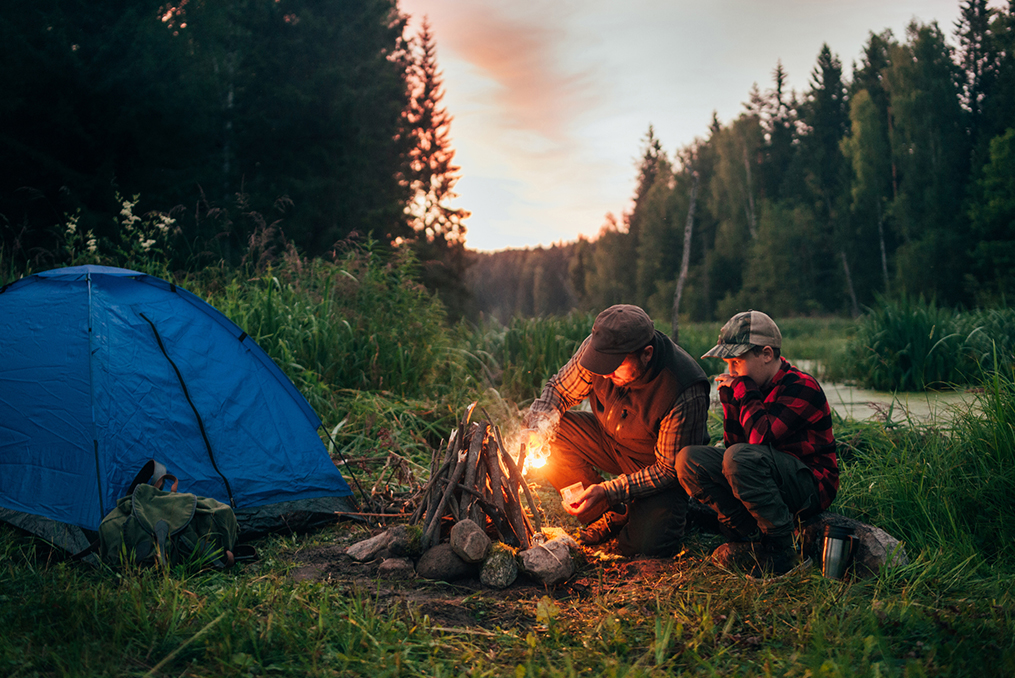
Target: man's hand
{"points": [[588, 501]]}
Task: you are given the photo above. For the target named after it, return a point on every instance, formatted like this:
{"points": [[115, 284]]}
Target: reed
{"points": [[943, 487], [523, 355], [910, 344]]}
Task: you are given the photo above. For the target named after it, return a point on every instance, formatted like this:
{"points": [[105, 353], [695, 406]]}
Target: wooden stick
{"points": [[472, 461], [516, 472], [513, 507], [456, 475], [496, 475], [424, 501], [500, 520]]}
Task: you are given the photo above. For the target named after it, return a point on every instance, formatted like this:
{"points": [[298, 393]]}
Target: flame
{"points": [[536, 458]]}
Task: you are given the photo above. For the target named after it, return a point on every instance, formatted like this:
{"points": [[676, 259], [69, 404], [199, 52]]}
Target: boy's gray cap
{"points": [[744, 330], [618, 330]]}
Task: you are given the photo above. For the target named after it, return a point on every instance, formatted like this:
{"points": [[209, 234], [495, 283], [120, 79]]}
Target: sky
{"points": [[552, 99]]}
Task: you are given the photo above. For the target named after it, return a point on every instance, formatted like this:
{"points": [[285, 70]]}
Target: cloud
{"points": [[515, 48]]}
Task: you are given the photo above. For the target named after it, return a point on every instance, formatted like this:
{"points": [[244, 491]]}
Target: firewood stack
{"points": [[479, 480]]}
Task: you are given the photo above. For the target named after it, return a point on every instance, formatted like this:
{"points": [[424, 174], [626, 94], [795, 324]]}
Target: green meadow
{"points": [[374, 354]]}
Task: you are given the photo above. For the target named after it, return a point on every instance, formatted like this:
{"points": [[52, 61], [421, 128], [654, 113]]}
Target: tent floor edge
{"points": [[300, 515]]}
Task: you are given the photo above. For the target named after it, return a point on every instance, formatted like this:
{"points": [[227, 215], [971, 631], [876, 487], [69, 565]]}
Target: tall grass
{"points": [[360, 323], [910, 344], [943, 487], [523, 355]]}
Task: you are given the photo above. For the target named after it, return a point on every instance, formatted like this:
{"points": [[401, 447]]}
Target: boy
{"points": [[779, 462]]}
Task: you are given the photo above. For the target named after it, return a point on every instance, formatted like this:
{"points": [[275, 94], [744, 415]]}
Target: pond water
{"points": [[857, 403], [851, 402]]}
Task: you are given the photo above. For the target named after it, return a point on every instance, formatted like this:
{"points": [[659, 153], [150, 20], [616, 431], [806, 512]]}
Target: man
{"points": [[648, 400], [779, 461]]}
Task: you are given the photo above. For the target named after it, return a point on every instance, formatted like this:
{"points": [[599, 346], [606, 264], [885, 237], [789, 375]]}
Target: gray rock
{"points": [[396, 568], [876, 549], [500, 569], [368, 549], [399, 541], [442, 564], [550, 563], [469, 541]]}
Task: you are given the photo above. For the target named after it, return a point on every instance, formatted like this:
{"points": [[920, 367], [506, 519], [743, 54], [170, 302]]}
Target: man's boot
{"points": [[603, 529]]}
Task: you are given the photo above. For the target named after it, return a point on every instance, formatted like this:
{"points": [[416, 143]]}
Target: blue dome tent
{"points": [[102, 369]]}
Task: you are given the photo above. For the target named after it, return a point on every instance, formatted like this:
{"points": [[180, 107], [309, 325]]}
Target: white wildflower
{"points": [[129, 218], [164, 222], [146, 244], [91, 243], [72, 224]]}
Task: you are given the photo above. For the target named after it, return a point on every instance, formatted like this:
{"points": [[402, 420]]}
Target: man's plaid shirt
{"points": [[683, 424], [791, 415]]}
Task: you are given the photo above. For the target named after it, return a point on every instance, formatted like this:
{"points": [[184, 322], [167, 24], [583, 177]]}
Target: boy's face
{"points": [[756, 366]]}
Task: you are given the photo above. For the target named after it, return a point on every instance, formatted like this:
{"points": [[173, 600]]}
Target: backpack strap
{"points": [[151, 469], [161, 536], [163, 478]]}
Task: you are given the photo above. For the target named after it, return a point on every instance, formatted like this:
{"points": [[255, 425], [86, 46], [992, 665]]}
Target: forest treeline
{"points": [[897, 181], [298, 123], [272, 126]]}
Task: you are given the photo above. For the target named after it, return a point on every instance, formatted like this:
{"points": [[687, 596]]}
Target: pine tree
{"points": [[825, 113], [439, 227], [930, 149], [979, 57]]}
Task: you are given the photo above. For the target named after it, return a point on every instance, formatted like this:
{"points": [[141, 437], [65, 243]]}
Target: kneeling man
{"points": [[648, 400]]}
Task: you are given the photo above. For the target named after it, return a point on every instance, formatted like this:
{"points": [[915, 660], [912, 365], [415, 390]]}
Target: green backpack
{"points": [[150, 526]]}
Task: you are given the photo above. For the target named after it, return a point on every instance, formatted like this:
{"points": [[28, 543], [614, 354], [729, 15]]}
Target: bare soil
{"points": [[469, 606]]}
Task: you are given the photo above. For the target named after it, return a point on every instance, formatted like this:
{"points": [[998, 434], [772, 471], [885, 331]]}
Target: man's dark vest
{"points": [[632, 414]]}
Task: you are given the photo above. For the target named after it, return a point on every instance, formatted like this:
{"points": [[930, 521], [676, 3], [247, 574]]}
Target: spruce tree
{"points": [[439, 228]]}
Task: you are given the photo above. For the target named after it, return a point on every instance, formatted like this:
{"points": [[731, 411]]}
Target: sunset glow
{"points": [[551, 100]]}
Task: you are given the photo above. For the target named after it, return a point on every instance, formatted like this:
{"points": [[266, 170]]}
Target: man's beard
{"points": [[626, 382]]}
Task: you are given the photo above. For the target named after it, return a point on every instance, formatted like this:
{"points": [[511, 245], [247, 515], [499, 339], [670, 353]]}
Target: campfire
{"points": [[474, 477], [475, 515]]}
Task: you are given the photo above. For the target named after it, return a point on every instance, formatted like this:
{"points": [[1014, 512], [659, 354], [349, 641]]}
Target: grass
{"points": [[942, 489], [372, 355], [686, 619], [912, 344]]}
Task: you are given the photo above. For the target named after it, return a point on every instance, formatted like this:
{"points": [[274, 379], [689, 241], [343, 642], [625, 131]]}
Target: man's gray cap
{"points": [[744, 330], [618, 331]]}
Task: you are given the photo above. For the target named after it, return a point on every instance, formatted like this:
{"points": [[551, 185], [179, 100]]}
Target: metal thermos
{"points": [[838, 551]]}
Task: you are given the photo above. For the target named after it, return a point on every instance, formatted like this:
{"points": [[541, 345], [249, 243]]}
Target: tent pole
{"points": [[345, 463]]}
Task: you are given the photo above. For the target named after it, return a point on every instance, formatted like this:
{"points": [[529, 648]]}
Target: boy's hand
{"points": [[725, 379]]}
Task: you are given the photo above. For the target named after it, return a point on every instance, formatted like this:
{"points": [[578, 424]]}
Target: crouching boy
{"points": [[779, 463]]}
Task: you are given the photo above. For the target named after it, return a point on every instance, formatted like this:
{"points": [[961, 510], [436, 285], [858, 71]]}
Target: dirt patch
{"points": [[468, 604]]}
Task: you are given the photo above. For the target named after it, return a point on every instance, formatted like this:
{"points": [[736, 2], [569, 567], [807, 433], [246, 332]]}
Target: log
{"points": [[450, 457], [456, 475], [516, 473], [476, 445], [493, 466], [514, 512], [424, 495], [500, 519]]}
